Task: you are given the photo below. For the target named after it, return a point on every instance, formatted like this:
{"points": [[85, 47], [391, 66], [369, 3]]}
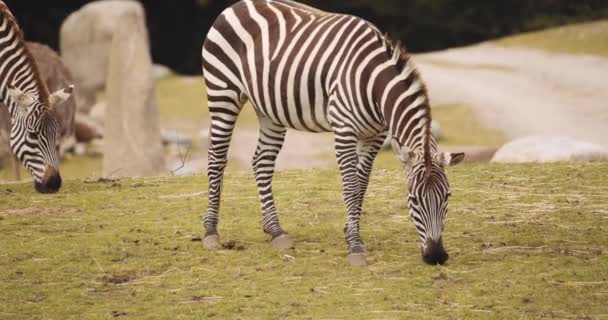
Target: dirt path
{"points": [[523, 91]]}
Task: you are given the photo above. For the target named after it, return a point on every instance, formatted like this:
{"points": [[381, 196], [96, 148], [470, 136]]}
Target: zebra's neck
{"points": [[404, 103], [21, 71]]}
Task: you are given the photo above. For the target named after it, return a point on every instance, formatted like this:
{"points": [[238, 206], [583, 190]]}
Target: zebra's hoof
{"points": [[212, 242], [357, 259], [282, 242]]}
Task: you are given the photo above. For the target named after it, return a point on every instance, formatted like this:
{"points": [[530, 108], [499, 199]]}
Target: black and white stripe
{"points": [[34, 127], [310, 70]]}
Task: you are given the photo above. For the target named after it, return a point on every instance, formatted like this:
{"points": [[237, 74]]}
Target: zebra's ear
{"points": [[449, 159], [60, 96], [404, 154], [22, 99]]}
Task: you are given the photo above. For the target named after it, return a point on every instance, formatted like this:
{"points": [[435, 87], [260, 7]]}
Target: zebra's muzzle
{"points": [[433, 252], [51, 182]]}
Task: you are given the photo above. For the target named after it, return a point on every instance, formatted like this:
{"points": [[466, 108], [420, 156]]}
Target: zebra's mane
{"points": [[402, 59], [43, 92]]}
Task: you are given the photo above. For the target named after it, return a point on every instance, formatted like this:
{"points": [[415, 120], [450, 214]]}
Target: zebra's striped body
{"points": [[34, 126], [310, 70]]}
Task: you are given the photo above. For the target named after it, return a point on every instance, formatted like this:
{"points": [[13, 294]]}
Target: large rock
{"points": [[549, 149], [56, 76], [98, 113], [85, 41], [132, 142]]}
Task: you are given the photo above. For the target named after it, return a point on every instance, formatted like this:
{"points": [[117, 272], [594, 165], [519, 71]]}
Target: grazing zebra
{"points": [[34, 126], [310, 70]]}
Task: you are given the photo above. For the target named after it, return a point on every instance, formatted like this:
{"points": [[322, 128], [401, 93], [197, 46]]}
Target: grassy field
{"points": [[526, 242], [585, 38]]}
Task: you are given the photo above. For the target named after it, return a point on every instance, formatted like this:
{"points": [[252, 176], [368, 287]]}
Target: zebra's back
{"points": [[287, 58]]}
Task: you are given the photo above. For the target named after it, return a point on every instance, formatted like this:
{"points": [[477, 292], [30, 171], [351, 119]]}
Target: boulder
{"points": [[98, 113], [549, 149], [132, 142], [161, 72], [86, 40]]}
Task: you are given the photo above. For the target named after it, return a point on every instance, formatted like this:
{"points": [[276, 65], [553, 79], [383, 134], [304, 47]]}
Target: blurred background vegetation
{"points": [[177, 28]]}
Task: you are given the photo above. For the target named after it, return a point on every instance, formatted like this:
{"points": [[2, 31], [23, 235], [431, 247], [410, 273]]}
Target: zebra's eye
{"points": [[447, 196]]}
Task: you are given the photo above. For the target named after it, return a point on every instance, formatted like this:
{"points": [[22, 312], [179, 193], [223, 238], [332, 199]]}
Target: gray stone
{"points": [[86, 38], [132, 142], [98, 113], [549, 149], [161, 72]]}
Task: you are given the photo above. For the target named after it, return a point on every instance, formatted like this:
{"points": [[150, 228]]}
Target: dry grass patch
{"points": [[525, 241]]}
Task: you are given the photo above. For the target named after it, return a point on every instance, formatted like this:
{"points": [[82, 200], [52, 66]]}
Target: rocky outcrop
{"points": [[132, 142], [549, 149], [86, 39]]}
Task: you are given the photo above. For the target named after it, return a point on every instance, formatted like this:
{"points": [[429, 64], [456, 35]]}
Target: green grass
{"points": [[526, 242], [585, 38]]}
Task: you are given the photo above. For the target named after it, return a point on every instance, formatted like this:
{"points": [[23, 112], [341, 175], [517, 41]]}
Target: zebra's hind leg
{"points": [[270, 142], [223, 119]]}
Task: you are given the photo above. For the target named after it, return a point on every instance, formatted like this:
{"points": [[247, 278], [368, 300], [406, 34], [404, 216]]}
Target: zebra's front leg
{"points": [[367, 151], [270, 142], [346, 153], [223, 120]]}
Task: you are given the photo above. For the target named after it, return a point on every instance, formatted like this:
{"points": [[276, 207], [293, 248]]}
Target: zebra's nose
{"points": [[434, 253], [51, 182]]}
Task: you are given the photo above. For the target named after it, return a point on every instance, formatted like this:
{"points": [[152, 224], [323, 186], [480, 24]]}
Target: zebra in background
{"points": [[315, 71], [34, 126]]}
